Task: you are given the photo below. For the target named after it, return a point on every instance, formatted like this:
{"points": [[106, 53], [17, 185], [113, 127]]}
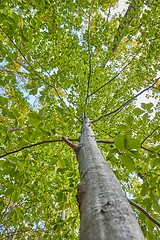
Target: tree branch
{"points": [[89, 57], [22, 64], [150, 135], [149, 150], [70, 144], [126, 21], [33, 145], [116, 74], [116, 111], [37, 74], [108, 15], [19, 128], [104, 141], [112, 142], [145, 212]]}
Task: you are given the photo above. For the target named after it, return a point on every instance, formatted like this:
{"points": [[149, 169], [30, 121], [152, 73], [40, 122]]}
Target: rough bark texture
{"points": [[104, 209]]}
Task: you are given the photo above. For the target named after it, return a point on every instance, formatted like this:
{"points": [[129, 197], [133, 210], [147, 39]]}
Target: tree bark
{"points": [[105, 212]]}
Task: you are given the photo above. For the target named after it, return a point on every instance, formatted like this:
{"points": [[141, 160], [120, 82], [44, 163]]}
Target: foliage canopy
{"points": [[59, 59]]}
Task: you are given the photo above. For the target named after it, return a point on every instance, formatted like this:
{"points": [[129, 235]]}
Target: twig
{"points": [[104, 141], [19, 128], [109, 11], [149, 150], [102, 130], [145, 212], [3, 149], [124, 104], [22, 64], [78, 118], [117, 73], [150, 135], [33, 145]]}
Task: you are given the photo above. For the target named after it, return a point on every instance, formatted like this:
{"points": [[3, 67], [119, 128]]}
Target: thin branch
{"points": [[116, 111], [89, 57], [102, 130], [19, 128], [70, 144], [145, 212], [3, 149], [112, 142], [108, 15], [33, 145], [150, 135], [149, 150], [126, 22], [37, 74], [19, 74], [46, 71], [78, 118], [117, 73], [104, 141], [22, 64]]}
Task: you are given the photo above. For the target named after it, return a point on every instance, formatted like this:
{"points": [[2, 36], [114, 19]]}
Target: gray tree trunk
{"points": [[105, 212]]}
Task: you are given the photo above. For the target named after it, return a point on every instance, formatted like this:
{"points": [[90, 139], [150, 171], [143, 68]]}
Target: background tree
{"points": [[58, 60]]}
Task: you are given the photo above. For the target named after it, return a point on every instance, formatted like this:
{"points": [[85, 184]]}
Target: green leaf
{"points": [[3, 128], [122, 127], [14, 218], [15, 195], [34, 119], [132, 143], [9, 191], [145, 117], [138, 111], [3, 100], [20, 166], [33, 91], [8, 113], [119, 143], [128, 162], [147, 106], [130, 120]]}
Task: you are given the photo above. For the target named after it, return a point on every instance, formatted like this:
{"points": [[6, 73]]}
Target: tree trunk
{"points": [[105, 212]]}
